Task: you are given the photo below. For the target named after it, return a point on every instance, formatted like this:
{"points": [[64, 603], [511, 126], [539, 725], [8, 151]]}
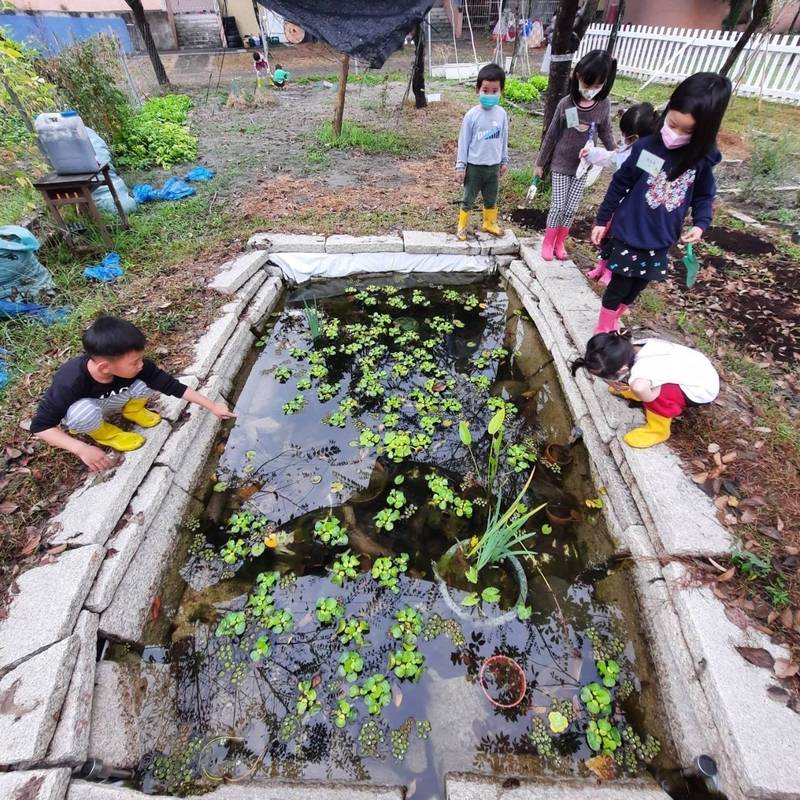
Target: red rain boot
{"points": [[548, 242], [607, 321], [562, 231]]}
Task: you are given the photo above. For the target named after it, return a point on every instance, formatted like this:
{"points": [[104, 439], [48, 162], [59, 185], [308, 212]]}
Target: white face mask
{"points": [[589, 94]]}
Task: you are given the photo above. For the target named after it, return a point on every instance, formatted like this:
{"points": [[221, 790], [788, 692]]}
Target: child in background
{"points": [[585, 109], [483, 150], [280, 76], [665, 175], [110, 377], [665, 377], [638, 121]]}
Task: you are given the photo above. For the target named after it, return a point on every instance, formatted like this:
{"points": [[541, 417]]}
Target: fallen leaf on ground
{"points": [[757, 656], [739, 619], [727, 575], [603, 766], [7, 507], [700, 477], [31, 545], [728, 457], [713, 448], [784, 668], [786, 618]]}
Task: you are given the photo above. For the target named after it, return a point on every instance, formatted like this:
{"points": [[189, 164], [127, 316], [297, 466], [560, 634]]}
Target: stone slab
{"points": [[759, 735], [253, 790], [264, 301], [70, 743], [170, 408], [127, 616], [234, 353], [504, 245], [244, 295], [210, 344], [118, 694], [532, 308], [287, 243], [35, 784], [439, 244], [363, 244], [32, 697], [186, 450], [94, 510], [579, 320], [234, 274], [672, 506], [46, 606], [124, 542], [464, 786]]}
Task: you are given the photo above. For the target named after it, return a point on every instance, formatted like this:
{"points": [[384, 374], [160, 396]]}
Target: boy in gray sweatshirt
{"points": [[483, 150]]}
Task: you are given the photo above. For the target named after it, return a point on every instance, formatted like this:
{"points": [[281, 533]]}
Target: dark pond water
{"points": [[452, 353]]}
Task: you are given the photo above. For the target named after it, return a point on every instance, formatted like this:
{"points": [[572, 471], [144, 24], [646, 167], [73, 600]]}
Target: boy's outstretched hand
{"points": [[597, 234], [94, 458], [222, 411]]}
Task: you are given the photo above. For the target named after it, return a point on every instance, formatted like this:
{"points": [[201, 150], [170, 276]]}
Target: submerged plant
{"points": [[350, 666], [330, 531], [329, 609], [344, 568], [312, 318]]}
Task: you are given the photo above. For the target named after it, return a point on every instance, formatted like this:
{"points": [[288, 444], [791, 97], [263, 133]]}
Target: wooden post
{"points": [[338, 113], [612, 39], [418, 79]]}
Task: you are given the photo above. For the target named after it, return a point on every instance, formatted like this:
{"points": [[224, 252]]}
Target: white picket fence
{"points": [[768, 67]]}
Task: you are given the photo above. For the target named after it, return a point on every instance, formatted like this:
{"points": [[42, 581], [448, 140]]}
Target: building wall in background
{"points": [[49, 32]]}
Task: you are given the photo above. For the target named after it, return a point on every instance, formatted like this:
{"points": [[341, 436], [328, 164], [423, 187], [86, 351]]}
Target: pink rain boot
{"points": [[562, 231], [620, 311], [601, 273], [547, 243], [605, 278], [607, 321]]}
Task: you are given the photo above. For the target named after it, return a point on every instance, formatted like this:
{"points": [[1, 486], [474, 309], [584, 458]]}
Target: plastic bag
{"points": [[173, 189], [21, 273], [4, 375], [692, 266], [102, 196], [9, 310], [108, 269], [199, 174]]}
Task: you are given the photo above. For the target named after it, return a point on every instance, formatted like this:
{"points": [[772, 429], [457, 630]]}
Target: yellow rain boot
{"points": [[490, 222], [108, 435], [655, 431], [463, 222], [135, 411], [626, 393]]}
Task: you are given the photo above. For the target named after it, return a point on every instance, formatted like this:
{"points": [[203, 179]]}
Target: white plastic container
{"points": [[65, 141]]}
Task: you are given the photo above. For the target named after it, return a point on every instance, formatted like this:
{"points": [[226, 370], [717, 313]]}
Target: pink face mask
{"points": [[672, 140]]}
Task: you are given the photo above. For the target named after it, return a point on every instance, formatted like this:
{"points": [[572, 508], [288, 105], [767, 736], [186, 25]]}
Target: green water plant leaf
{"points": [[609, 670], [464, 433], [472, 599], [496, 422], [472, 574], [558, 722], [597, 699], [524, 612], [491, 594]]}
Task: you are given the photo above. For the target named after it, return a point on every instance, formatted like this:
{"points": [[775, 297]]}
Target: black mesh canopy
{"points": [[367, 29]]}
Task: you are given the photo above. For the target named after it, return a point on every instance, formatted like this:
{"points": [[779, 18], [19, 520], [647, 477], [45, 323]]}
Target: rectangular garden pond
{"points": [[401, 568]]}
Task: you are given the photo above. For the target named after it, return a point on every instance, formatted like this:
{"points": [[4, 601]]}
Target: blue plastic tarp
{"points": [[21, 273], [173, 189], [45, 314], [108, 269], [199, 174], [4, 376]]}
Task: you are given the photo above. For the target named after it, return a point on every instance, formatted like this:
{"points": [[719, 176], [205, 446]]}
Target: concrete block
{"points": [[439, 243], [186, 450], [123, 543], [504, 245], [574, 399], [47, 604], [234, 274], [118, 696], [252, 790], [287, 243], [759, 736], [579, 321], [33, 694], [244, 295], [70, 743], [680, 514], [532, 308], [170, 408], [503, 260], [210, 344], [584, 387], [264, 301], [617, 413], [363, 244], [465, 786], [127, 616], [230, 360], [35, 784], [94, 510]]}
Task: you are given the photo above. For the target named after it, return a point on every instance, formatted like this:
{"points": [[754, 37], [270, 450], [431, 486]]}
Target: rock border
{"points": [[714, 701]]}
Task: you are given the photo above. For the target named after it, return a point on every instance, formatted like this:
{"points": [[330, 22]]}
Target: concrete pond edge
{"points": [[119, 532]]}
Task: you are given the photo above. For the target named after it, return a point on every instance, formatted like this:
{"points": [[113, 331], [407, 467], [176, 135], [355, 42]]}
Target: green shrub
{"points": [[525, 91], [157, 135]]}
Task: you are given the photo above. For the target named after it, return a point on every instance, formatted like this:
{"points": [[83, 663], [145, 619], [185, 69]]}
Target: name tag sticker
{"points": [[650, 163], [572, 117]]}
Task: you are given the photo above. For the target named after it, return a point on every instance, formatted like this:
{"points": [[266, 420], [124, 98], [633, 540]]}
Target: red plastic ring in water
{"points": [[516, 667]]}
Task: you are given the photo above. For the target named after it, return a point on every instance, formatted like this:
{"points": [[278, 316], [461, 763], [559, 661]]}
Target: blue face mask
{"points": [[489, 100]]}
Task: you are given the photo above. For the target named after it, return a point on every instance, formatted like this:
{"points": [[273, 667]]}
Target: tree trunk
{"points": [[559, 70], [144, 29], [612, 39], [344, 71], [761, 13], [418, 79], [585, 18]]}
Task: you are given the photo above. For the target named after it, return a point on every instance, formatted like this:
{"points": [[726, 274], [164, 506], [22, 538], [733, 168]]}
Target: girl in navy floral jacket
{"points": [[665, 175]]}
